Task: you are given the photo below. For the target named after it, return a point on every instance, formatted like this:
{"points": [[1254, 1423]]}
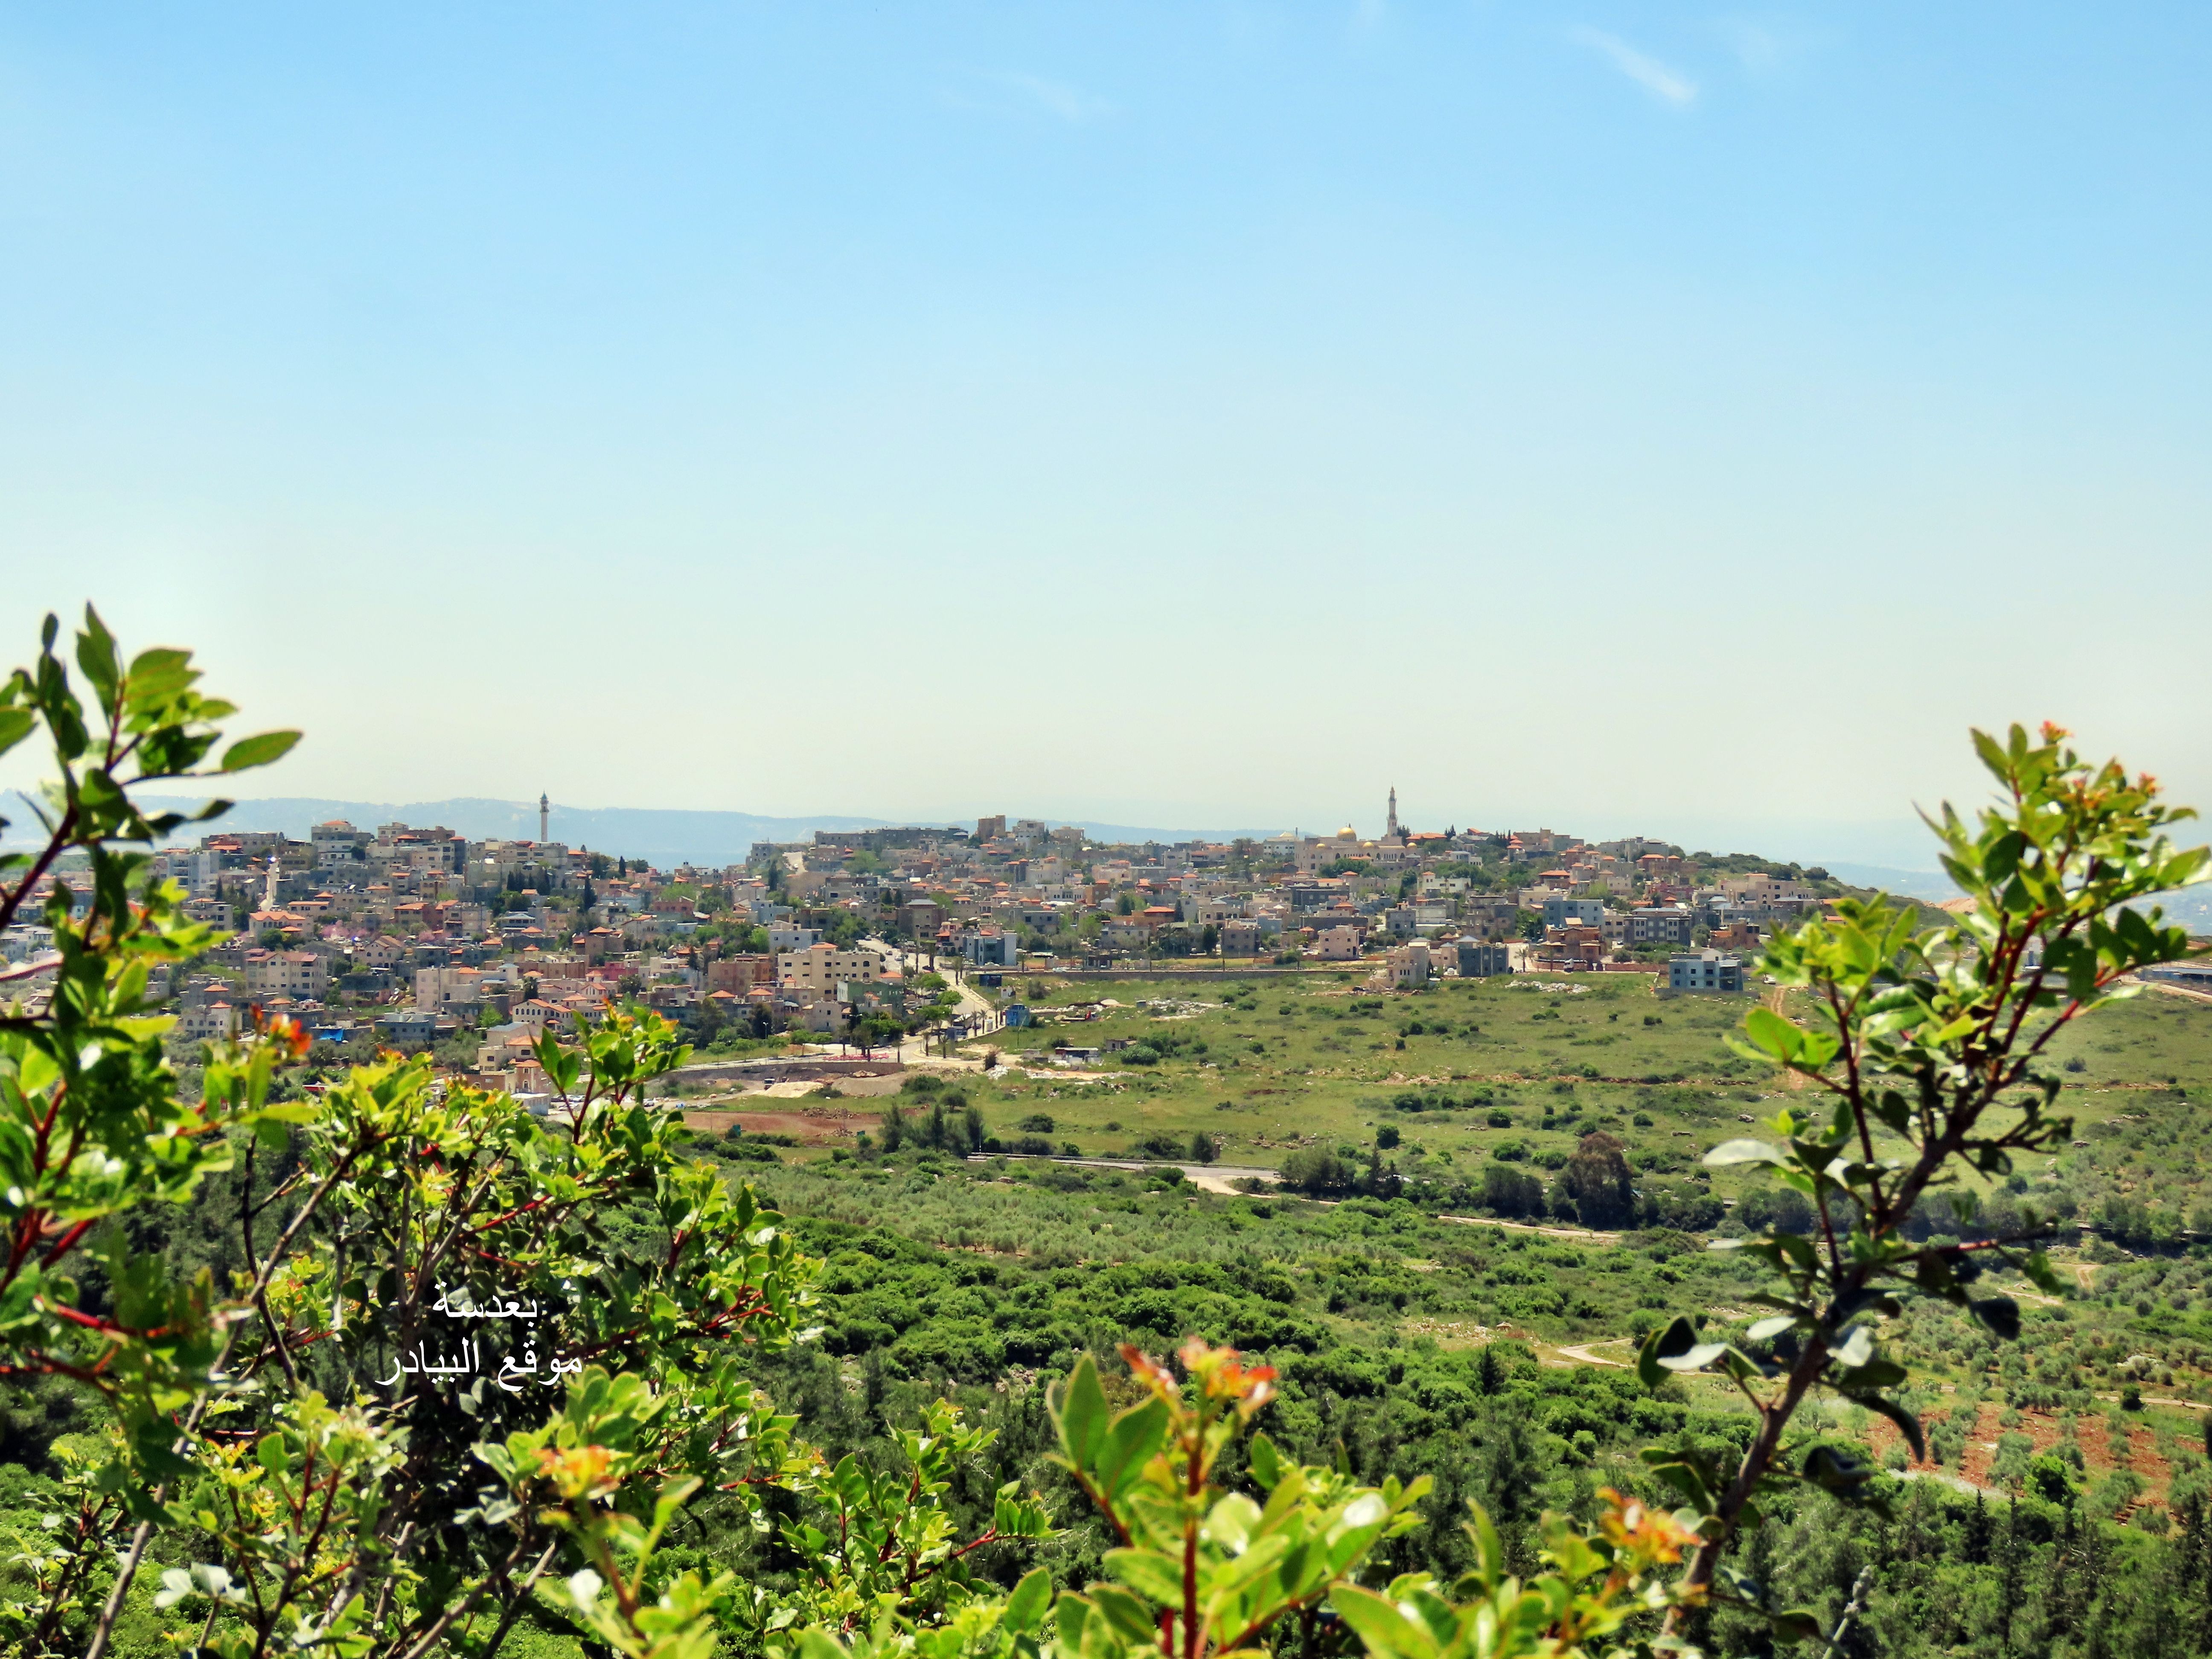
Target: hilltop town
{"points": [[416, 936]]}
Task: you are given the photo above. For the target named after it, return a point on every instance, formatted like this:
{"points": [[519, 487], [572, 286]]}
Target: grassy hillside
{"points": [[1264, 1067], [1052, 1258]]}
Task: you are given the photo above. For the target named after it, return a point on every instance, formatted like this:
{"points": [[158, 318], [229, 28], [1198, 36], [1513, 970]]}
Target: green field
{"points": [[1468, 1074], [1421, 1333], [1267, 1066]]}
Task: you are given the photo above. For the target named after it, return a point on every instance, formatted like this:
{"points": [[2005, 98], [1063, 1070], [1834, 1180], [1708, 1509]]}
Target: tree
{"points": [[877, 1029], [1203, 1149], [1508, 1191], [319, 1442], [1921, 1051], [1597, 1179], [379, 1223], [1317, 1173]]}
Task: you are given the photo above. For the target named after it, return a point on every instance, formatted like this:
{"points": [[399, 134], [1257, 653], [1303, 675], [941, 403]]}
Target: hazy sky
{"points": [[1608, 416]]}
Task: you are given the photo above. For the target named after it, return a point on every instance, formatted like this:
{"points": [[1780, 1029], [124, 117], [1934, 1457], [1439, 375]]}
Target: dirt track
{"points": [[1525, 1227]]}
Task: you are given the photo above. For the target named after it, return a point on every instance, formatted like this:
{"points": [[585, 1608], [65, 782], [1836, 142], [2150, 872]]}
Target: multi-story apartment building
{"points": [[1705, 971], [1660, 925], [286, 973], [824, 967], [1483, 961]]}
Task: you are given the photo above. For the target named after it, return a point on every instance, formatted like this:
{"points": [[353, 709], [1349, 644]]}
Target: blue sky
{"points": [[1619, 416]]}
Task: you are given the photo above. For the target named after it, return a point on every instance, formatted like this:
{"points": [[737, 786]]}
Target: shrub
{"points": [[1510, 1192], [1318, 1173], [1777, 1209]]}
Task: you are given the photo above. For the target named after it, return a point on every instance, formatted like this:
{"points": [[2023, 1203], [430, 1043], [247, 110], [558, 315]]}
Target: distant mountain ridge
{"points": [[662, 836]]}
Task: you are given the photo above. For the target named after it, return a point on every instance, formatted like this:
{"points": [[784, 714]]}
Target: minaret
{"points": [[1391, 834], [269, 892], [544, 807]]}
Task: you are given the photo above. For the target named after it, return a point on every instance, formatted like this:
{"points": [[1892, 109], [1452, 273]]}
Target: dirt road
{"points": [[1206, 1177]]}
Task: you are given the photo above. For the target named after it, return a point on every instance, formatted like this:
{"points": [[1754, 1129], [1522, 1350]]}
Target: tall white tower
{"points": [[1392, 831], [544, 809]]}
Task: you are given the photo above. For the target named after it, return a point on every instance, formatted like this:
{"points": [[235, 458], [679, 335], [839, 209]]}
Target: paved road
{"points": [[972, 1002]]}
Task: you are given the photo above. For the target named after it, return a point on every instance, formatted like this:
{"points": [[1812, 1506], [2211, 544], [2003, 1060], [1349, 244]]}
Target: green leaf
{"points": [[1131, 1442], [1696, 1357], [1265, 1463], [1128, 1615], [1031, 1600], [15, 725], [1082, 1416], [2000, 1313], [1890, 1108], [1490, 1561], [1744, 1152], [1072, 1612], [1775, 1035], [1836, 1471], [1796, 1625], [1383, 1630], [2002, 858], [95, 655], [1148, 1572], [258, 750], [1693, 1473], [1661, 1345], [1907, 1424]]}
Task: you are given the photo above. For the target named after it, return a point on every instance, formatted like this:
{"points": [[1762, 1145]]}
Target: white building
{"points": [[1705, 971], [286, 973], [824, 967]]}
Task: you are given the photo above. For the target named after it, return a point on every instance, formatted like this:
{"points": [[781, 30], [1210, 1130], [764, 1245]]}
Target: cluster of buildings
{"points": [[419, 933], [1412, 904]]}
